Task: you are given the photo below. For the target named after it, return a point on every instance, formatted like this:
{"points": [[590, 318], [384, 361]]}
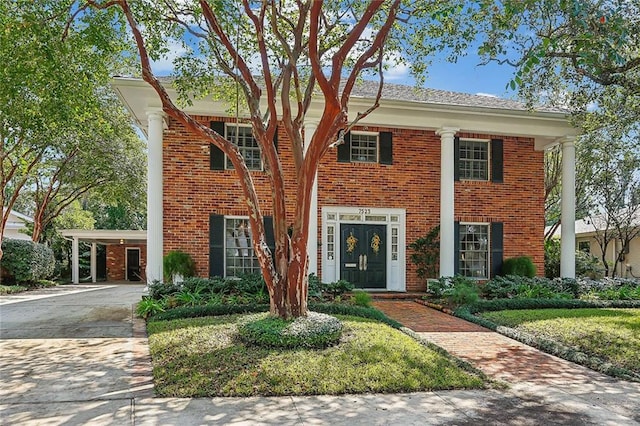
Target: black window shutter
{"points": [[275, 139], [344, 150], [456, 158], [496, 160], [268, 233], [456, 248], [496, 248], [386, 147], [216, 156], [216, 245]]}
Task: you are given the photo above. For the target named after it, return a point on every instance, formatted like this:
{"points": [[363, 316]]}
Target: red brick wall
{"points": [[116, 260], [193, 191]]}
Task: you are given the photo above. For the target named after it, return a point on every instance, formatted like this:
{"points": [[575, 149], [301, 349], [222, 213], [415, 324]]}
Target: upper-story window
{"points": [[364, 148], [474, 160], [479, 160], [242, 136]]}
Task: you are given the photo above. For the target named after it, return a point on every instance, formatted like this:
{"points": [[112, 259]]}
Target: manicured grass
{"points": [[611, 334], [199, 357]]}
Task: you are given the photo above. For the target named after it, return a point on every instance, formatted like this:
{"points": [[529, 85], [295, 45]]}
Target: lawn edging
{"points": [[547, 345]]}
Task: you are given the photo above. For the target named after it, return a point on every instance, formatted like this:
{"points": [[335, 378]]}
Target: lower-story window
{"points": [[239, 255], [474, 250]]}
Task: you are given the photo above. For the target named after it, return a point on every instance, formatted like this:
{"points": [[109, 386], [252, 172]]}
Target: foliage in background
{"points": [[63, 131], [27, 262], [587, 265], [522, 266], [426, 254]]}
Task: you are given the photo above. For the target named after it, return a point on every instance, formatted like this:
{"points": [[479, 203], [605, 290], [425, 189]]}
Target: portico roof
{"points": [[107, 236]]}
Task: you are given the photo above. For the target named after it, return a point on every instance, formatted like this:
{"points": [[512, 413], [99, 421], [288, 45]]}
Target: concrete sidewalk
{"points": [[78, 356]]}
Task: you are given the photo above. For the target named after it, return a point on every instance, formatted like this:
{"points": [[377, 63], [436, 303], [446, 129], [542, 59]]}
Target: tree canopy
{"points": [[63, 131]]}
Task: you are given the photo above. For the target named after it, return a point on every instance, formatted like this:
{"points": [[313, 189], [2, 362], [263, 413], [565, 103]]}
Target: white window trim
{"points": [[226, 157], [365, 133], [488, 225], [489, 171]]}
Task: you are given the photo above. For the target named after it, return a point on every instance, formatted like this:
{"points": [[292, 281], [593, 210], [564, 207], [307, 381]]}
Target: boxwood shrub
{"points": [[27, 262], [521, 266]]}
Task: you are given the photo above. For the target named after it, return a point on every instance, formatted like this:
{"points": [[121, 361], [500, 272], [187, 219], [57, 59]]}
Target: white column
{"points": [[447, 202], [94, 264], [154, 196], [568, 206], [312, 240], [75, 261]]}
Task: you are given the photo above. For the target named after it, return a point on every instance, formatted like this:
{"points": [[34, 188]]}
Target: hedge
{"points": [[26, 261]]}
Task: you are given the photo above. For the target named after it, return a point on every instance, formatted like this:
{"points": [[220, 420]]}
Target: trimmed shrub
{"points": [[316, 330], [178, 263], [361, 298], [521, 266], [27, 262]]}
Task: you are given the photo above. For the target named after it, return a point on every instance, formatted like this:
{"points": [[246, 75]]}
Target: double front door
{"points": [[363, 255]]}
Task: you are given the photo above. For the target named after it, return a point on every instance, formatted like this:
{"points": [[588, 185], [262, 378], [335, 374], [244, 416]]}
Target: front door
{"points": [[363, 255], [133, 264]]}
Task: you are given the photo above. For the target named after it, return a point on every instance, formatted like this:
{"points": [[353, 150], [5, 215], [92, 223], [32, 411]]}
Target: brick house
{"points": [[471, 164]]}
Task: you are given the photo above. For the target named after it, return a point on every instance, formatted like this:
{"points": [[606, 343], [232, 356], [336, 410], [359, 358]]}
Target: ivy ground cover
{"points": [[610, 334], [199, 357]]}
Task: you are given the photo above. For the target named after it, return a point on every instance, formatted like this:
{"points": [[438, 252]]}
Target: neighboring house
{"points": [[586, 231], [16, 225], [471, 164]]}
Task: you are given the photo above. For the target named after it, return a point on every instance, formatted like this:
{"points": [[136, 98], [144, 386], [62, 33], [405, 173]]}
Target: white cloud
{"points": [[164, 66]]}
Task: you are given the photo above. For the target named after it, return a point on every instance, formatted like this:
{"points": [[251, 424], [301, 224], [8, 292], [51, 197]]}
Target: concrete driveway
{"points": [[72, 355]]}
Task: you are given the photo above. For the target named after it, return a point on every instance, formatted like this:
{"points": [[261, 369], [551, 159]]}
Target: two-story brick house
{"points": [[471, 164]]}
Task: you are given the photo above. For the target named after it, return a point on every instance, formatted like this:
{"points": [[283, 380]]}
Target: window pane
{"points": [[364, 148], [243, 138], [474, 250], [474, 160], [240, 258]]}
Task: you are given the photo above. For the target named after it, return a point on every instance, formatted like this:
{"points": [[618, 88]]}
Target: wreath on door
{"points": [[375, 243], [351, 243]]}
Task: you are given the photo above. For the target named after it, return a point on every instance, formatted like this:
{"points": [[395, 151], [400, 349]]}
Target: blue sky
{"points": [[465, 76]]}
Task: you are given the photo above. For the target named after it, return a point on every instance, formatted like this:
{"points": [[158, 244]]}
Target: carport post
{"points": [[154, 196], [94, 267], [75, 262]]}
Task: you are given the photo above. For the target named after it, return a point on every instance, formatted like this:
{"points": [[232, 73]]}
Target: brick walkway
{"points": [[496, 355]]}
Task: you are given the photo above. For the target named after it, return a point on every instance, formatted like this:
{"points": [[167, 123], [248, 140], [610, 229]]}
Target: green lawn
{"points": [[611, 334], [201, 357]]}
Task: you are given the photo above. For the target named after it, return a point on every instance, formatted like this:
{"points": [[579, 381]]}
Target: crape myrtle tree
{"points": [[279, 54]]}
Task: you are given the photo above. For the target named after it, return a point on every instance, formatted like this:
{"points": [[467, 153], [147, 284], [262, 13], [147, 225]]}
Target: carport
{"points": [[128, 243]]}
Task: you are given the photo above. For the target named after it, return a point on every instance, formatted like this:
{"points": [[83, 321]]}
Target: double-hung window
{"points": [[364, 147], [474, 159], [239, 255], [479, 160], [474, 250], [242, 136]]}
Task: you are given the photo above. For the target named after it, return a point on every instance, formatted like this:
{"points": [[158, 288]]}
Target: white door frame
{"points": [[394, 219]]}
